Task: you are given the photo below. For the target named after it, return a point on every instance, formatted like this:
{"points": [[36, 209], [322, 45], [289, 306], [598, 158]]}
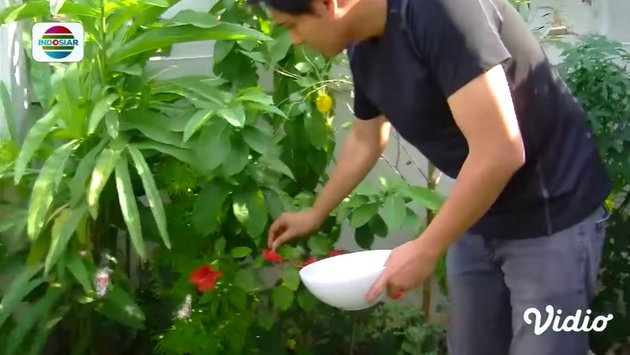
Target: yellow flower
{"points": [[291, 343], [323, 102]]}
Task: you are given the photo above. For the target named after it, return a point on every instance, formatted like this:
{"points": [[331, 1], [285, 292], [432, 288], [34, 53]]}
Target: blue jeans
{"points": [[493, 282]]}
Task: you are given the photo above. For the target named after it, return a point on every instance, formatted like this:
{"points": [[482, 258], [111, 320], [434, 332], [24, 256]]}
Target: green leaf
{"points": [[237, 157], [21, 286], [394, 212], [234, 115], [291, 278], [265, 320], [120, 307], [319, 244], [79, 271], [282, 297], [255, 94], [250, 210], [9, 114], [103, 168], [280, 47], [33, 141], [13, 219], [152, 193], [129, 206], [63, 228], [364, 237], [196, 18], [425, 197], [241, 252], [78, 183], [208, 208], [112, 124], [219, 246], [244, 279], [66, 84], [276, 164], [257, 140], [317, 130], [221, 50], [213, 146], [44, 188], [153, 126], [183, 155], [307, 301], [378, 226], [36, 312], [34, 9], [99, 111], [170, 35], [362, 214], [196, 122]]}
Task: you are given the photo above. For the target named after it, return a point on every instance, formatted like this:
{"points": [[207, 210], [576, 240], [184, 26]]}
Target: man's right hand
{"points": [[362, 148], [291, 225]]}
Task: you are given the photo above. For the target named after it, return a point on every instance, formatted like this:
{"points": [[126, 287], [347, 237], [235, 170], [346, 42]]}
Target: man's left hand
{"points": [[406, 268]]}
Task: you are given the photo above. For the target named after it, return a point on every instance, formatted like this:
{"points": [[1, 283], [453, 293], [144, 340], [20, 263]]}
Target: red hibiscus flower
{"points": [[272, 257], [205, 278], [308, 261], [336, 252]]}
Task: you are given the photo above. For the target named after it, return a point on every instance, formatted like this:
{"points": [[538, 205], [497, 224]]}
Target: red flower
{"points": [[398, 295], [205, 278], [336, 252], [272, 257], [308, 261]]}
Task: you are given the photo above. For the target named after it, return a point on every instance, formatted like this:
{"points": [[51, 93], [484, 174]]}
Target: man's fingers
{"points": [[275, 229], [283, 238], [378, 288]]}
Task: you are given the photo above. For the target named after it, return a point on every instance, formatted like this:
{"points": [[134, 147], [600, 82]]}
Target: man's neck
{"points": [[363, 19]]}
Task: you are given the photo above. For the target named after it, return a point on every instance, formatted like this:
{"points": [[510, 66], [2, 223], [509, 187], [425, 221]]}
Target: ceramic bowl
{"points": [[344, 280]]}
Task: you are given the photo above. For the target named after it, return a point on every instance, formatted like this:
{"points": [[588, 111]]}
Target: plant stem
{"points": [[353, 338]]}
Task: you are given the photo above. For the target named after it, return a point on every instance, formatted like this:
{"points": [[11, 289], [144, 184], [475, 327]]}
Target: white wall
{"points": [[12, 70]]}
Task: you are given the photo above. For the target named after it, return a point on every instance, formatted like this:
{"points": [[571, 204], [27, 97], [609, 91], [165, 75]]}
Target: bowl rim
{"points": [[305, 269]]}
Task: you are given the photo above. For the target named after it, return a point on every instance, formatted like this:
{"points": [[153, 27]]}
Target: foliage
{"points": [[595, 71], [103, 255]]}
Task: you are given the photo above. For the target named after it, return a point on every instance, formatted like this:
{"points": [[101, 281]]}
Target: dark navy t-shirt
{"points": [[433, 48]]}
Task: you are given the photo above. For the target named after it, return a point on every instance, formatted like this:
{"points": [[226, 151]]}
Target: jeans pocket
{"points": [[602, 222]]}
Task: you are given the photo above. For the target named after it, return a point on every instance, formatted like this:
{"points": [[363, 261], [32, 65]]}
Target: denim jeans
{"points": [[493, 282]]}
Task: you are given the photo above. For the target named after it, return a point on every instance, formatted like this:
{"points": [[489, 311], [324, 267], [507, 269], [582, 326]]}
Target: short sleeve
{"points": [[364, 109], [458, 39]]}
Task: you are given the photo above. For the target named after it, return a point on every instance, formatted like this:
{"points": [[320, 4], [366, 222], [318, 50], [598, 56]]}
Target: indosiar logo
{"points": [[58, 42]]}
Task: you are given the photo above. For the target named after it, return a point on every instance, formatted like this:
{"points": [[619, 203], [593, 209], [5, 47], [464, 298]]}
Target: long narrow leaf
{"points": [[100, 175], [129, 206], [43, 189], [168, 36], [152, 193], [33, 9], [33, 141], [183, 155], [20, 287], [78, 183], [9, 115], [99, 111], [67, 86], [38, 311], [64, 227], [79, 271]]}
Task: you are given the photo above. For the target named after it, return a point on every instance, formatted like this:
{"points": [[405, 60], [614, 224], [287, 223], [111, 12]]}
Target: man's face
{"points": [[319, 30]]}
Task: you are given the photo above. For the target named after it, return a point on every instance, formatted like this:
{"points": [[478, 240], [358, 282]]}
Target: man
{"points": [[466, 83]]}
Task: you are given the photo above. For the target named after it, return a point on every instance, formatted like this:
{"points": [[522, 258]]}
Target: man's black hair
{"points": [[292, 7]]}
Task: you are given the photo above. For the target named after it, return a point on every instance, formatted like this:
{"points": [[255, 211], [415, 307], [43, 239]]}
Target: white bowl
{"points": [[344, 280]]}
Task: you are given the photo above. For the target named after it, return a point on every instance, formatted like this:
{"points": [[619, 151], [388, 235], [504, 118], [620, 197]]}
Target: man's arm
{"points": [[361, 151], [484, 112]]}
